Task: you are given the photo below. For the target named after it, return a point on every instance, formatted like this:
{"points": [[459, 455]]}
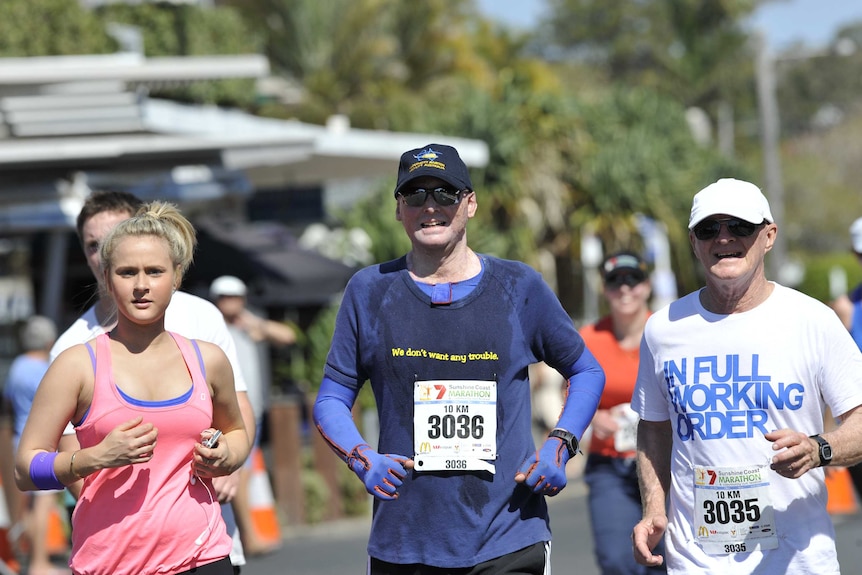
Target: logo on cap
{"points": [[428, 154], [427, 158]]}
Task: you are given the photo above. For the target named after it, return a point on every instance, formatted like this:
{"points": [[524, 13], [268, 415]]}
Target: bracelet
{"points": [[72, 466], [42, 471]]}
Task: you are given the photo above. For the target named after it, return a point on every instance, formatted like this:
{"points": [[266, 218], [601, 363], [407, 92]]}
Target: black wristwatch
{"points": [[569, 439], [825, 450]]}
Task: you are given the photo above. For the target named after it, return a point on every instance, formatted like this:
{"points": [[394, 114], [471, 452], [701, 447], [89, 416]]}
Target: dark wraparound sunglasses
{"points": [[710, 228], [443, 196]]}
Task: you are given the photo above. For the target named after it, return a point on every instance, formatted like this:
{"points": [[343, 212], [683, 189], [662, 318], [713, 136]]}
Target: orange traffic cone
{"points": [[7, 554], [262, 503], [842, 496], [56, 538]]}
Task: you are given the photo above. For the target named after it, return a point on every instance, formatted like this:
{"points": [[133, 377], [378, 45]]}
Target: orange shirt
{"points": [[621, 370]]}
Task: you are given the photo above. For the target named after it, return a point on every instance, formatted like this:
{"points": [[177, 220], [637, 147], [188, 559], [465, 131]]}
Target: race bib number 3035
{"points": [[455, 425], [733, 509]]}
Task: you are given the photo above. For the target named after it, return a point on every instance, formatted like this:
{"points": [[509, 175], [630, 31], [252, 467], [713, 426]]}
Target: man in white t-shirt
{"points": [[732, 390], [187, 314]]}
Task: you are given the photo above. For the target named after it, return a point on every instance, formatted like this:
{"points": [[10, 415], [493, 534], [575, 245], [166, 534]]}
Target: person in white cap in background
{"points": [[230, 295], [849, 309], [732, 389], [253, 336]]}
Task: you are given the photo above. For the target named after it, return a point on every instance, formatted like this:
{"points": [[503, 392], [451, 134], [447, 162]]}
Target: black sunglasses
{"points": [[617, 281], [443, 196], [709, 228]]}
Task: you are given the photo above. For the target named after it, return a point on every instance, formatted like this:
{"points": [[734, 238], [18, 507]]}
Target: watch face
{"points": [[826, 452]]}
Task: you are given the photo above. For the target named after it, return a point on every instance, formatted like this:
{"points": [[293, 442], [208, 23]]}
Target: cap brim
{"points": [[431, 173], [628, 270], [755, 219]]}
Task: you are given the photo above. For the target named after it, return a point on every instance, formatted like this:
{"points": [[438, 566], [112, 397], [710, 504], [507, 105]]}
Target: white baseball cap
{"points": [[856, 235], [228, 286], [735, 198]]}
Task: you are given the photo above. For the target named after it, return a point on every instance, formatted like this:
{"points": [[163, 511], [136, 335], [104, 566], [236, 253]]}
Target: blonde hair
{"points": [[162, 220]]}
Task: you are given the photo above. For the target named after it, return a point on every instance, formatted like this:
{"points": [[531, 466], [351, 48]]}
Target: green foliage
{"points": [[50, 28], [821, 173], [694, 51], [813, 83], [375, 214], [337, 49], [315, 493], [817, 270], [307, 368], [355, 498], [639, 157], [373, 60], [186, 30], [61, 27], [559, 163], [691, 49]]}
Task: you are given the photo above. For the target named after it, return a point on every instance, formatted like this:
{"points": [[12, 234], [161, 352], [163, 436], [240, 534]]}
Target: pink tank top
{"points": [[147, 518]]}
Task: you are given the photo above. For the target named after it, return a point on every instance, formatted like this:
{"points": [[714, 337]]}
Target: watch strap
{"points": [[824, 450], [568, 438]]}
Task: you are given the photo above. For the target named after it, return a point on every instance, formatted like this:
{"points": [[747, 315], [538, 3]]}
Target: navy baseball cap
{"points": [[435, 160]]}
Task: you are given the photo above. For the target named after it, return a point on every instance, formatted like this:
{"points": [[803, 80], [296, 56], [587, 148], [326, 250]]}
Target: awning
{"points": [[180, 184], [51, 203], [267, 257], [59, 214]]}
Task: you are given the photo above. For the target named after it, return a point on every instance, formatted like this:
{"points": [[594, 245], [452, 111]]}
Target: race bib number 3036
{"points": [[455, 425]]}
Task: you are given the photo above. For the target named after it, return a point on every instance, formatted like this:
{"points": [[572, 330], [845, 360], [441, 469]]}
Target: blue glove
{"points": [[546, 469], [381, 474]]}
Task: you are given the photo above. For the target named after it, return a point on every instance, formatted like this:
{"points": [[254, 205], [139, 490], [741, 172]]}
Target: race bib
{"points": [[733, 509], [455, 425], [626, 435]]}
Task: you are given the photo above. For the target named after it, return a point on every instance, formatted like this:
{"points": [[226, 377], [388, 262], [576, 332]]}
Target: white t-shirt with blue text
{"points": [[724, 381]]}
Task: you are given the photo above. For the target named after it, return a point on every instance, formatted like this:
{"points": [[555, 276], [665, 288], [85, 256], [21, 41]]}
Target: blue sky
{"points": [[783, 21]]}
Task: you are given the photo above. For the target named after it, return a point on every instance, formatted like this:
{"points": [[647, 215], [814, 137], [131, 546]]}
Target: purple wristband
{"points": [[42, 471]]}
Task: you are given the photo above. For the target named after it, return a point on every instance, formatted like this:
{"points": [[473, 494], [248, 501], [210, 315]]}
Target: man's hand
{"points": [[381, 474], [796, 453], [645, 536], [545, 471]]}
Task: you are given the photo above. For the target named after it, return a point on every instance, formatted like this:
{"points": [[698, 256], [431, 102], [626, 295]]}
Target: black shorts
{"points": [[532, 560], [220, 567]]}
